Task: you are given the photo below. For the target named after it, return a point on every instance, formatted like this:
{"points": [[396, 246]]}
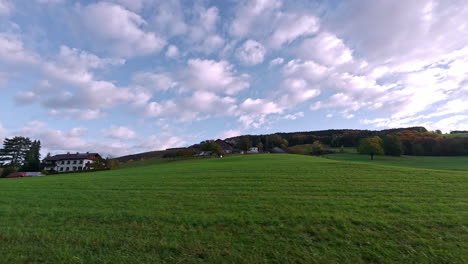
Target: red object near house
{"points": [[16, 175]]}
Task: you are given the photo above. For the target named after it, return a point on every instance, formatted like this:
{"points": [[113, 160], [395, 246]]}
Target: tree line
{"points": [[331, 137], [414, 143]]}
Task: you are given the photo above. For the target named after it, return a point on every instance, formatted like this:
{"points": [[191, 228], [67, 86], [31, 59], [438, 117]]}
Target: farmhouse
{"points": [[252, 150], [71, 162], [226, 147]]}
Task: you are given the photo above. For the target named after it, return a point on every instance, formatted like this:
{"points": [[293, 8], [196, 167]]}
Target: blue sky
{"points": [[125, 76]]}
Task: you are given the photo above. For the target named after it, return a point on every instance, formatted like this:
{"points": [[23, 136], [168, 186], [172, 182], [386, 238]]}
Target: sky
{"points": [[126, 76]]}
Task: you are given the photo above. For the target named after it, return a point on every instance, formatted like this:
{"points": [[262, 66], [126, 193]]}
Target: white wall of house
{"points": [[253, 150], [70, 165]]}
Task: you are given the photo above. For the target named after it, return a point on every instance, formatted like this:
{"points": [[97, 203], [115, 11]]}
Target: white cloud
{"points": [[26, 97], [121, 29], [251, 53], [203, 36], [307, 70], [277, 61], [162, 141], [260, 106], [169, 18], [12, 50], [456, 122], [422, 29], [296, 91], [172, 51], [446, 124], [155, 81], [134, 5], [214, 76], [6, 7], [229, 134], [81, 60], [199, 105], [87, 114], [119, 132], [325, 48], [294, 116], [292, 27], [252, 15], [209, 103], [50, 1]]}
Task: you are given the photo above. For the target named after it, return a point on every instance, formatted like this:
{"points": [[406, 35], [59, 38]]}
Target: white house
{"points": [[71, 162], [252, 150]]}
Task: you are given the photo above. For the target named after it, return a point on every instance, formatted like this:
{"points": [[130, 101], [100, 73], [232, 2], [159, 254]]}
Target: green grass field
{"points": [[456, 135], [458, 163], [240, 209]]}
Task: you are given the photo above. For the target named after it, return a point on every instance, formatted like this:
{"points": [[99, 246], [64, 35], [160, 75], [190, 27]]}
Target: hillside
{"points": [[241, 209], [458, 163], [348, 137]]}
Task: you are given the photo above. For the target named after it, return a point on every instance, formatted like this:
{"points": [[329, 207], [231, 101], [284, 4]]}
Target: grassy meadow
{"points": [[240, 209], [455, 135], [458, 163]]}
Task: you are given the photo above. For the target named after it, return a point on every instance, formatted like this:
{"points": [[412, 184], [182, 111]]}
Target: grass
{"points": [[456, 135], [241, 209], [457, 163]]}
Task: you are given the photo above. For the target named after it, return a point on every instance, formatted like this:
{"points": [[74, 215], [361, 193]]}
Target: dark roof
{"points": [[75, 156], [224, 145]]}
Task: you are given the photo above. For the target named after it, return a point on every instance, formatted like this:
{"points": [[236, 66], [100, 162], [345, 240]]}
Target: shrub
{"points": [[8, 171], [317, 148], [185, 153]]}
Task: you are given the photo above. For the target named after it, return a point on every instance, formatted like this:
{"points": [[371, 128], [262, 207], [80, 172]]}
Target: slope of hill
{"points": [[241, 209], [348, 137], [456, 163]]}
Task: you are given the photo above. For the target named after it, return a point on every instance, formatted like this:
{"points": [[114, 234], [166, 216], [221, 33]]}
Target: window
{"points": [[68, 162], [61, 168], [67, 169], [63, 162], [74, 168], [81, 161]]}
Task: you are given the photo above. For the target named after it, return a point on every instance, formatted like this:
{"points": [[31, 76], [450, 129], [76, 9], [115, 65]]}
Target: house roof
{"points": [[75, 156], [224, 145]]}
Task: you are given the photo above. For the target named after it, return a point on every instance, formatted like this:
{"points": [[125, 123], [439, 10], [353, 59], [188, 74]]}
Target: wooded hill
{"points": [[331, 137]]}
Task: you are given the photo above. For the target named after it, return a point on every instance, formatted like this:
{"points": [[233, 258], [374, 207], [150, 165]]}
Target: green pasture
{"points": [[271, 208], [457, 163]]}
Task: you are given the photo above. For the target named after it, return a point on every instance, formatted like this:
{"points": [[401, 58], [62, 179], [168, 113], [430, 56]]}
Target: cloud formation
{"points": [[168, 69]]}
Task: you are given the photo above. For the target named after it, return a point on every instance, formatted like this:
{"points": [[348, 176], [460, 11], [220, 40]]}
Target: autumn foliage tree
{"points": [[371, 146], [317, 148]]}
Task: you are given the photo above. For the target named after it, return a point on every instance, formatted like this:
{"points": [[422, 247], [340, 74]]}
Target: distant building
{"points": [[226, 147], [71, 162], [252, 150], [277, 150]]}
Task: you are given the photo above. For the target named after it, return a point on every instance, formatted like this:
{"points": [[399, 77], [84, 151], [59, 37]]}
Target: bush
{"points": [[8, 171], [342, 150], [112, 164], [185, 153], [317, 148]]}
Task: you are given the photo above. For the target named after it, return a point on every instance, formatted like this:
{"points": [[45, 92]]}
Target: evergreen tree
{"points": [[392, 145], [32, 160], [14, 151]]}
